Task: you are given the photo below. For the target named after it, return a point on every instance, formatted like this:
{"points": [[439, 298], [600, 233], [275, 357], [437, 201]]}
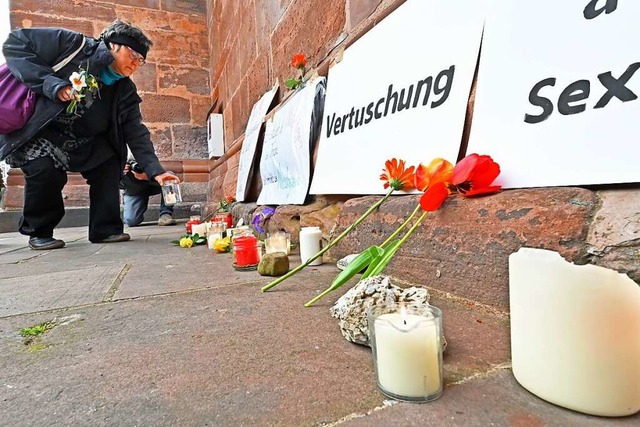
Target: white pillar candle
{"points": [[575, 333], [408, 356], [310, 238]]}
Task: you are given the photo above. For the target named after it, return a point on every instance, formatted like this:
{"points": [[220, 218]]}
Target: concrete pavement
{"points": [[147, 333]]}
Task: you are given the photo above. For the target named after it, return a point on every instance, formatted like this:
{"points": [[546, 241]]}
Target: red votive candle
{"points": [[191, 223], [245, 249]]}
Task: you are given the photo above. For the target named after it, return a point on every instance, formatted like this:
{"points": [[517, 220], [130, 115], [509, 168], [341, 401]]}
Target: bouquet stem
{"points": [[329, 246]]}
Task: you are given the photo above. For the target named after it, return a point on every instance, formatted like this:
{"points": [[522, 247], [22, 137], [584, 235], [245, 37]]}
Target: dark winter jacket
{"points": [[30, 54]]}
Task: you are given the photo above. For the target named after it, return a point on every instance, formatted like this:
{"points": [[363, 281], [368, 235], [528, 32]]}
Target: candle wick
{"points": [[405, 322]]}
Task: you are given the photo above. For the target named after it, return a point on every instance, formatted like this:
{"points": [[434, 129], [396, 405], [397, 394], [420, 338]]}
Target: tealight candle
{"points": [[407, 351]]}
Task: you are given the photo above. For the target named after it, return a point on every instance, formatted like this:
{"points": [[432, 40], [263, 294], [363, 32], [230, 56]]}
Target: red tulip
{"points": [[474, 174]]}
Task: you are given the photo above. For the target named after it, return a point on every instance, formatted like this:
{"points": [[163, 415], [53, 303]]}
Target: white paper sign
{"points": [[400, 91], [544, 107], [250, 142], [286, 159]]}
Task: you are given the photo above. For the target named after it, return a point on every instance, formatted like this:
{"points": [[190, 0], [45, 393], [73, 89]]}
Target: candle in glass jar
{"points": [[192, 221], [407, 355], [246, 251], [200, 229], [278, 242]]}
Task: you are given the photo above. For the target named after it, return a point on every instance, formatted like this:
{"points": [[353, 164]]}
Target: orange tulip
{"points": [[437, 171], [397, 176], [299, 61]]}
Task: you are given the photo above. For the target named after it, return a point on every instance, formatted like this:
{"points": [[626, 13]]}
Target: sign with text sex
{"points": [[557, 96], [400, 91]]}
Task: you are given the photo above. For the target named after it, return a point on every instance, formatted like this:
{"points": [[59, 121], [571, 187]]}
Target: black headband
{"points": [[131, 42]]}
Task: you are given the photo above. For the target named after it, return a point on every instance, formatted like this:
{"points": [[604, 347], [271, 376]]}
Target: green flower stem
{"points": [[413, 228], [399, 229], [330, 245]]}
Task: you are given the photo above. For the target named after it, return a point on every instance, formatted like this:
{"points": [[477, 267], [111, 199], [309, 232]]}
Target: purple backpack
{"points": [[17, 102]]}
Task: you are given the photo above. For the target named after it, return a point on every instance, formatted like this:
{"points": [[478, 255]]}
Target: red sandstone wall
{"points": [[251, 45], [174, 84]]}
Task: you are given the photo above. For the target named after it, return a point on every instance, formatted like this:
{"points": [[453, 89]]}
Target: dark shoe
{"points": [[122, 237], [45, 243]]}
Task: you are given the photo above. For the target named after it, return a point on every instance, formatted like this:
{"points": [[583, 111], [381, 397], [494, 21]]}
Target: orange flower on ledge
{"points": [[397, 176], [299, 62]]}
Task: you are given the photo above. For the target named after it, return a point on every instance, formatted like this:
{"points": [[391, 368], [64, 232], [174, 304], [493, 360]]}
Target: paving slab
{"points": [[31, 293], [495, 399], [197, 343]]}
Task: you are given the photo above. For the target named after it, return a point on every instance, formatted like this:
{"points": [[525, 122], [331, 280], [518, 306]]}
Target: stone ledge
{"points": [[463, 248]]}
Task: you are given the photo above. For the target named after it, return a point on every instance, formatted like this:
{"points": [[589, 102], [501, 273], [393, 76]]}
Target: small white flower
{"points": [[77, 81]]}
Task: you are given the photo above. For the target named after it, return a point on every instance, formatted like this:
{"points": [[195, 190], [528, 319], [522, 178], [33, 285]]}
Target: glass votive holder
{"points": [[171, 192], [407, 350], [193, 220], [279, 241], [246, 252]]}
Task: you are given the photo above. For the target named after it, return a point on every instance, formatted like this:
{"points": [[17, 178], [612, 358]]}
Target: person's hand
{"points": [[166, 177], [137, 175], [141, 176], [64, 94]]}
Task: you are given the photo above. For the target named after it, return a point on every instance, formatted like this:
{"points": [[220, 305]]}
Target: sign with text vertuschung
{"points": [[399, 91], [556, 102]]}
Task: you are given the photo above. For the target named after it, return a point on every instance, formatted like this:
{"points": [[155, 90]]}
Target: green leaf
{"points": [[356, 265], [175, 242], [200, 241], [292, 83], [380, 262]]}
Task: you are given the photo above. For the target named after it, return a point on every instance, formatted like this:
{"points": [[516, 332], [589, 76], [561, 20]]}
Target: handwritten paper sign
{"points": [[556, 102], [250, 142], [286, 159], [400, 91]]}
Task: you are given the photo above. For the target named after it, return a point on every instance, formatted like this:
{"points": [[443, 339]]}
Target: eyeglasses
{"points": [[135, 56]]}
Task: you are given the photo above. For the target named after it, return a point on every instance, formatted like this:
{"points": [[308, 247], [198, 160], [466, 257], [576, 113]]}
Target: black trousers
{"points": [[44, 207]]}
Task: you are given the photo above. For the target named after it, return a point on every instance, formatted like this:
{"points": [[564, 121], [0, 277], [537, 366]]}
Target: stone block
{"points": [[162, 141], [241, 110], [28, 20], [614, 236], [165, 109], [57, 9], [185, 6], [309, 29], [190, 142], [463, 248], [192, 80], [146, 78], [274, 264], [359, 10], [200, 106]]}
